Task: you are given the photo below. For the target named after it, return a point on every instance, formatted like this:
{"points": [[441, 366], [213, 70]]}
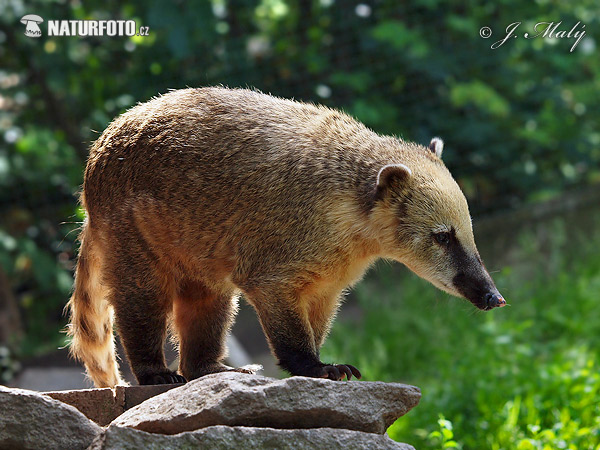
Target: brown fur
{"points": [[201, 194]]}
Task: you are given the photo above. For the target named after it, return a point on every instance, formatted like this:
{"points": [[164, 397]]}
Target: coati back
{"points": [[202, 194]]}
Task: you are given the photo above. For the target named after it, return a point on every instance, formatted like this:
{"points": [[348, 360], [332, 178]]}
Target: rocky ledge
{"points": [[220, 411]]}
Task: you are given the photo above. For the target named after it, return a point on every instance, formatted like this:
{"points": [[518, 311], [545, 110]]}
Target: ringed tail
{"points": [[91, 316]]}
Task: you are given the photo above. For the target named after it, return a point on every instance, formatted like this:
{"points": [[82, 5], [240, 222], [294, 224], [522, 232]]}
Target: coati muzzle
{"points": [[494, 300], [487, 301], [479, 290]]}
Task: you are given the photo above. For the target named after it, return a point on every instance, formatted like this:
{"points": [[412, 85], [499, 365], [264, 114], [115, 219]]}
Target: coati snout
{"points": [[202, 195]]}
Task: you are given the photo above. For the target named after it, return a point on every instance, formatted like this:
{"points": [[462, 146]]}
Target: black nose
{"points": [[494, 300]]}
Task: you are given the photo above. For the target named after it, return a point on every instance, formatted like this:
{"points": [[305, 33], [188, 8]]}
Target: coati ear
{"points": [[436, 146], [389, 172]]}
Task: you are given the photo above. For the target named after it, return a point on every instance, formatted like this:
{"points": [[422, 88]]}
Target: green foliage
{"points": [[9, 366], [401, 37], [44, 286], [480, 95], [522, 377], [444, 437]]}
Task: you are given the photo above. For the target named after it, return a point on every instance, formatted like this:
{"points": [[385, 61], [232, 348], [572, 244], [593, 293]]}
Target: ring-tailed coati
{"points": [[202, 194]]}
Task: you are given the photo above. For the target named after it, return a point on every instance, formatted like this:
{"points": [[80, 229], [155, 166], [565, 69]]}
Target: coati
{"points": [[200, 195]]}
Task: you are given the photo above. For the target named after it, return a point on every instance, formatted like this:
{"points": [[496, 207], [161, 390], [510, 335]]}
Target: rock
{"points": [[134, 395], [105, 405], [30, 420], [236, 399], [99, 405], [223, 437]]}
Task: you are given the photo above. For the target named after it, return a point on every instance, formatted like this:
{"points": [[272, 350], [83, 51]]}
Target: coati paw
{"points": [[162, 378], [338, 372]]}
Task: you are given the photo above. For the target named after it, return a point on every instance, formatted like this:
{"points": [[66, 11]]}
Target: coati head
{"points": [[431, 230]]}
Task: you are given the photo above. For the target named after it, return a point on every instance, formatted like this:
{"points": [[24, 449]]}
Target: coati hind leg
{"points": [[202, 320], [142, 301], [286, 324]]}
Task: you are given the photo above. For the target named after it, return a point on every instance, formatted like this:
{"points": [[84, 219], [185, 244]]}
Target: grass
{"points": [[522, 377]]}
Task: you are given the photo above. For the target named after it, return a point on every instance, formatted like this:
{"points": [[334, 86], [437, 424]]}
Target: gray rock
{"points": [[236, 399], [29, 420], [223, 437], [99, 405], [105, 405]]}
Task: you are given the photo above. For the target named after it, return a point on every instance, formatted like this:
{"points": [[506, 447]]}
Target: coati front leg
{"points": [[202, 321], [320, 315], [292, 339]]}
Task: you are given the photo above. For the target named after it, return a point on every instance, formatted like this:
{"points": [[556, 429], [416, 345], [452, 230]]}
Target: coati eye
{"points": [[442, 238]]}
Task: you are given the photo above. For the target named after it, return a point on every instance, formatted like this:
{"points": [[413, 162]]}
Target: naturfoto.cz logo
{"points": [[82, 28]]}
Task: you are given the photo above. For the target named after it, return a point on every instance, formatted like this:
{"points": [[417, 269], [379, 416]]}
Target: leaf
{"points": [[481, 95], [397, 35]]}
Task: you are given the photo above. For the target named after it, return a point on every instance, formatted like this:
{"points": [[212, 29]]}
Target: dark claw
{"points": [[346, 371], [337, 372], [333, 373], [178, 379], [355, 371]]}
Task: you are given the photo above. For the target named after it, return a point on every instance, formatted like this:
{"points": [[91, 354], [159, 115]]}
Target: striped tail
{"points": [[91, 316]]}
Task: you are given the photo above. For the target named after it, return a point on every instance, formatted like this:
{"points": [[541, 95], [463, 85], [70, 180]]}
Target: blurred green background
{"points": [[521, 126]]}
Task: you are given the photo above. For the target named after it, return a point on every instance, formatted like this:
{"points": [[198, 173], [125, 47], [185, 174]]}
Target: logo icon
{"points": [[31, 22]]}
